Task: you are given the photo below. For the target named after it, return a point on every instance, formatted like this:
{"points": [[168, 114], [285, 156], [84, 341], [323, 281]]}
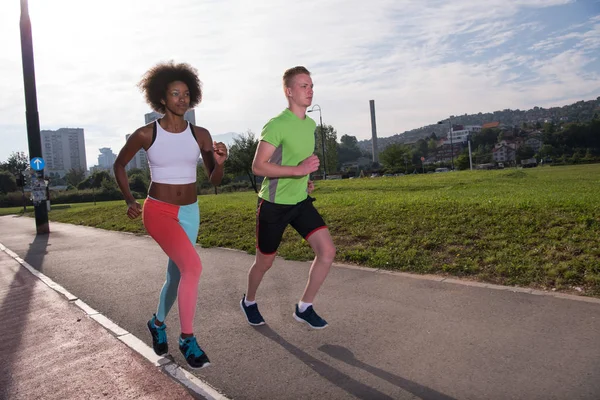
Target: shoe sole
{"points": [[155, 352], [197, 368], [297, 318], [244, 311]]}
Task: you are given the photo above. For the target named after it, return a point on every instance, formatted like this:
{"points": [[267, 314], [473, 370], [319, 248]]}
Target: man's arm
{"points": [[262, 167]]}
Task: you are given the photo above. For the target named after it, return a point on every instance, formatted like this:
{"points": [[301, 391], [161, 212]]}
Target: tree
{"points": [[394, 156], [98, 177], [16, 163], [432, 146], [524, 153], [94, 180], [546, 151], [422, 147], [462, 161], [138, 182], [331, 147], [74, 176], [487, 136], [109, 186], [7, 182], [241, 155], [145, 172], [348, 149]]}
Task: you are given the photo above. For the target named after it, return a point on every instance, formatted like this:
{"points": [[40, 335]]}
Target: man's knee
{"points": [[327, 254], [264, 262]]}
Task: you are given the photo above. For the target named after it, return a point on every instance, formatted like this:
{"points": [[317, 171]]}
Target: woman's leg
{"points": [[189, 220], [163, 224]]}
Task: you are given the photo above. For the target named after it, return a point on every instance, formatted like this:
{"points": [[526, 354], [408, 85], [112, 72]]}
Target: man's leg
{"points": [[262, 263], [324, 249], [270, 224]]}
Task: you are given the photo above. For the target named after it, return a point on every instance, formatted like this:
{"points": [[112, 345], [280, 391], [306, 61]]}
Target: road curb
{"points": [[166, 365]]}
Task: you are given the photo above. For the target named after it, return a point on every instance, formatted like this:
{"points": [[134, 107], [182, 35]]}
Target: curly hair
{"points": [[155, 81]]}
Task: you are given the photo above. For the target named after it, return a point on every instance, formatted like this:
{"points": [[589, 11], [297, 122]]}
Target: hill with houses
{"points": [[580, 111]]}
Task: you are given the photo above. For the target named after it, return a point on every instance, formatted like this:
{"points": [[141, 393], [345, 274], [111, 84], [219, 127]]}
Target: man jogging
{"points": [[285, 158]]}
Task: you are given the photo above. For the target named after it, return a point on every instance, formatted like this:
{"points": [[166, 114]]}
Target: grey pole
{"points": [[451, 143], [470, 157], [31, 112], [374, 132]]}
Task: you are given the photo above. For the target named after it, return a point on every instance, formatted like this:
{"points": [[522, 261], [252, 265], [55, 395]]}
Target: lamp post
{"points": [[31, 111], [451, 143], [322, 136]]}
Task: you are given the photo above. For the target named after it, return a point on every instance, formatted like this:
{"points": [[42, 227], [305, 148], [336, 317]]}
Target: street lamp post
{"points": [[322, 136], [31, 112]]}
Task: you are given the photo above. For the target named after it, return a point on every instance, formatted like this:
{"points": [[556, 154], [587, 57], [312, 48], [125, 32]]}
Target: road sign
{"points": [[37, 163], [422, 158]]}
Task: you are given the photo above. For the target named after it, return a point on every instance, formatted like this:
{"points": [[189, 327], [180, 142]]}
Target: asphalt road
{"points": [[391, 336]]}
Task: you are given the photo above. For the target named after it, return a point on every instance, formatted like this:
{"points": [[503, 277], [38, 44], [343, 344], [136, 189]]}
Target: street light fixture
{"points": [[317, 107]]}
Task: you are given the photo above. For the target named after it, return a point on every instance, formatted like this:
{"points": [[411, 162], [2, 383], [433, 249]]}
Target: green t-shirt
{"points": [[294, 141]]}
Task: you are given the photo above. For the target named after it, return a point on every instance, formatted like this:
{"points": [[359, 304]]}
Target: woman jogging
{"points": [[170, 213]]}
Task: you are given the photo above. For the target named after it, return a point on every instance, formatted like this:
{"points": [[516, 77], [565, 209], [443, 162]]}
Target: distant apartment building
{"points": [[504, 153], [107, 158], [460, 133], [140, 160], [189, 116], [63, 150], [535, 143]]}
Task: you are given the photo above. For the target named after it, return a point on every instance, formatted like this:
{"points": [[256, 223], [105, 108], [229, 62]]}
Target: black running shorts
{"points": [[272, 219]]}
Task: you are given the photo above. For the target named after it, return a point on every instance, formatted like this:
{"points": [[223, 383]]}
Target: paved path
{"points": [[391, 336], [50, 349]]}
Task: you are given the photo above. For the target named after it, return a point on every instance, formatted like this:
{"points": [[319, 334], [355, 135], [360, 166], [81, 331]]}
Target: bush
{"points": [[7, 182], [14, 199], [138, 183]]}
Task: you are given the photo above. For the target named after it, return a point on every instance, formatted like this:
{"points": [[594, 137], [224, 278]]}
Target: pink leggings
{"points": [[175, 229]]}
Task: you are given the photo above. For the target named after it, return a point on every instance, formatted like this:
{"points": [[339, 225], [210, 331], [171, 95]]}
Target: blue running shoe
{"points": [[194, 355], [310, 317], [251, 312], [159, 337]]}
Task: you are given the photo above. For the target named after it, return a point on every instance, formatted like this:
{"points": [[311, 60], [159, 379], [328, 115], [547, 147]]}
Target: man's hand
{"points": [[309, 165], [310, 187], [134, 209], [220, 152]]}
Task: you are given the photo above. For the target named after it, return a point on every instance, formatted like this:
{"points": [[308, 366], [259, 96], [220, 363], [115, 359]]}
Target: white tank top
{"points": [[173, 157]]}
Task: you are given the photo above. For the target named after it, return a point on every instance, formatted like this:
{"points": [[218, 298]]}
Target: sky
{"points": [[420, 60]]}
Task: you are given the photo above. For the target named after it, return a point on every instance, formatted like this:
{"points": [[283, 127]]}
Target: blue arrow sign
{"points": [[37, 163]]}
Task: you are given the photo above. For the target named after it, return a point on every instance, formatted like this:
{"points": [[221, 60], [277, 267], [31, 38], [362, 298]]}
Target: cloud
{"points": [[420, 60]]}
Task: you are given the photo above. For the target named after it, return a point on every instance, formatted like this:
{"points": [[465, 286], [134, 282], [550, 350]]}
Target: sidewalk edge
{"points": [[171, 368]]}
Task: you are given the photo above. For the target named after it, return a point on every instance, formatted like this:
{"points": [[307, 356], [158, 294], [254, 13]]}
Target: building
{"points": [[504, 153], [460, 133], [190, 116], [140, 160], [63, 150], [535, 143], [106, 159], [490, 125]]}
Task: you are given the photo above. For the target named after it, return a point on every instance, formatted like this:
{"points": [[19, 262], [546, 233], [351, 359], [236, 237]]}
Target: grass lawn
{"points": [[534, 227]]}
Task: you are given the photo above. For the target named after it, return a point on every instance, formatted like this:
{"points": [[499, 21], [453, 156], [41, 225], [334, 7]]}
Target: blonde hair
{"points": [[291, 73]]}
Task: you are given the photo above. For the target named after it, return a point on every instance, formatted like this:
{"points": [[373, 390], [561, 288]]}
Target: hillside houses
{"points": [[504, 151]]}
